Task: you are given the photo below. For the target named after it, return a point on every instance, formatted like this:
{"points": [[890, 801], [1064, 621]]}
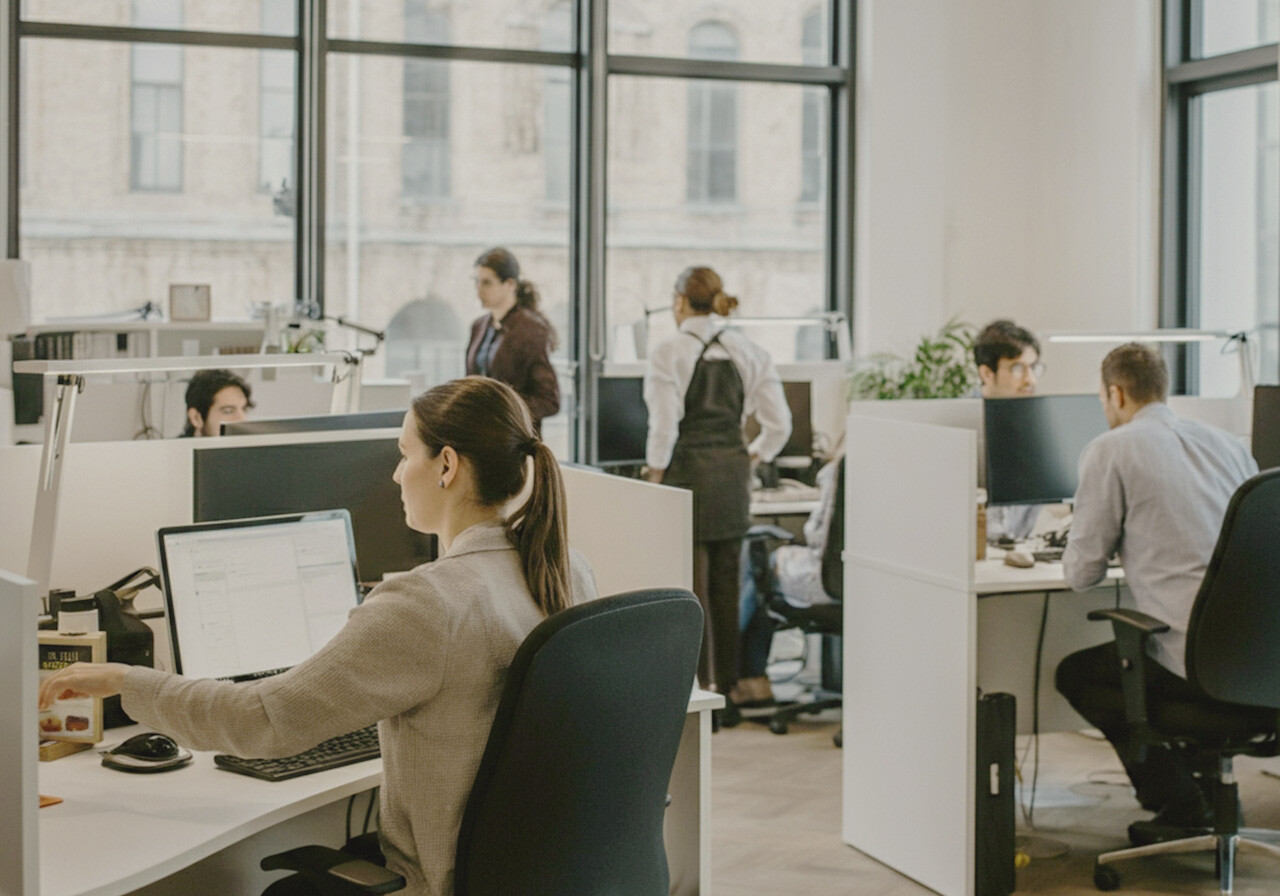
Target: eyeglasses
{"points": [[1019, 369]]}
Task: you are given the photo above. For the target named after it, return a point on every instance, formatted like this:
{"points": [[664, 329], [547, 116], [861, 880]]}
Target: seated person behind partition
{"points": [[796, 573], [215, 397], [1155, 488], [1008, 359], [426, 654]]}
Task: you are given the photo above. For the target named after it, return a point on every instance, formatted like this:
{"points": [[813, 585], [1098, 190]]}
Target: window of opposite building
{"points": [[277, 99], [155, 133], [1222, 189], [711, 170], [425, 169]]}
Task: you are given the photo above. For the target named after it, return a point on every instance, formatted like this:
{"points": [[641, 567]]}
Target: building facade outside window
{"points": [[425, 160], [712, 167]]}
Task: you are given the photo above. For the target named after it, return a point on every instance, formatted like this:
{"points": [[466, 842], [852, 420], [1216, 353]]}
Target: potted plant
{"points": [[941, 367]]}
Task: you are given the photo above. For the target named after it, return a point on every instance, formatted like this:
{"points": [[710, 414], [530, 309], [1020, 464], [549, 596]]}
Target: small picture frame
{"points": [[189, 301], [76, 719]]}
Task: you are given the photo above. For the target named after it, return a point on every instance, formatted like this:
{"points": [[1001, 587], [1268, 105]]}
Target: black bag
{"points": [[993, 799], [129, 639]]}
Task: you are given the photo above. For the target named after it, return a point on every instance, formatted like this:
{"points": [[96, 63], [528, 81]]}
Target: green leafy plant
{"points": [[942, 367]]}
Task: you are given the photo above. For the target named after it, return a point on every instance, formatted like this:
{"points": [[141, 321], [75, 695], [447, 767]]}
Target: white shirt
{"points": [[1155, 489], [670, 369]]}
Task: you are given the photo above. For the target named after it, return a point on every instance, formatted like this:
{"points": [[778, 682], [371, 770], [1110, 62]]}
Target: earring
{"points": [[442, 483]]}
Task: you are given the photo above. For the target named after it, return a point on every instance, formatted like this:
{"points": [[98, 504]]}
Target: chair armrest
{"points": [[1132, 631], [334, 871], [1146, 625]]}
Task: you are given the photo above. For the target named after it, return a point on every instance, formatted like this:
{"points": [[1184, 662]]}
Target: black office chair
{"points": [[571, 789], [823, 619], [1233, 655]]}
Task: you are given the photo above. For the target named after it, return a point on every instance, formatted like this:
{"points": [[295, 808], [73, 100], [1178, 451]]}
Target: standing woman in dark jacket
{"points": [[513, 342]]}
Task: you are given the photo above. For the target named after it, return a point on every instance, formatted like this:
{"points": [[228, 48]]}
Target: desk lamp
{"points": [[1176, 335]]}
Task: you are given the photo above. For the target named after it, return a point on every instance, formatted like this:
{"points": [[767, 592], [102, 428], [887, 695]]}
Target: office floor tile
{"points": [[775, 825]]}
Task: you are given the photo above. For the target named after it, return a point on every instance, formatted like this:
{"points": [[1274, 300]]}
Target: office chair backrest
{"points": [[1233, 637], [832, 564], [571, 790]]}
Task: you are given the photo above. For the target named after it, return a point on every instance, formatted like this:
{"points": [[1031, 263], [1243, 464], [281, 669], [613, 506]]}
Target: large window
{"points": [[607, 143], [1222, 195]]}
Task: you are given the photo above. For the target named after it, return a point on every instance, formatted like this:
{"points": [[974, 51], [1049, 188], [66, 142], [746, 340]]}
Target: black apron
{"points": [[710, 457]]}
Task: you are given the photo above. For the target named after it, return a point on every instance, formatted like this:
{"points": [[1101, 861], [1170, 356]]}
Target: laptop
{"points": [[253, 597]]}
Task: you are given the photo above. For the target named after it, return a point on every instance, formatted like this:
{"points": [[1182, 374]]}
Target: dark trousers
{"points": [[715, 582], [1090, 680]]}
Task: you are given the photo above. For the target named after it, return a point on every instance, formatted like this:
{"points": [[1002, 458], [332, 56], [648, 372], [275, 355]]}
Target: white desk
{"points": [[200, 829]]}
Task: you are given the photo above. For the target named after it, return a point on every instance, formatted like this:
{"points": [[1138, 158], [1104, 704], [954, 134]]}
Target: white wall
{"points": [[1007, 165]]}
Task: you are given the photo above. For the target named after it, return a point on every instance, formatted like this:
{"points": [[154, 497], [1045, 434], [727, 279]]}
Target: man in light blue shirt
{"points": [[1008, 359], [1154, 489]]}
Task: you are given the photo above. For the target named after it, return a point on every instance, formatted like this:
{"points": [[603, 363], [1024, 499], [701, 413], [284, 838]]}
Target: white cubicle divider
{"points": [[19, 856], [909, 639], [115, 496]]}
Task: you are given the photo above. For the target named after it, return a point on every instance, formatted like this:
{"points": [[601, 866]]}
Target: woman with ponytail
{"points": [[426, 654], [513, 341], [699, 386]]}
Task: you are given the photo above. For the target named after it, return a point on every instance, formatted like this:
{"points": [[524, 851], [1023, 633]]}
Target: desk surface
{"points": [[992, 576], [115, 832]]}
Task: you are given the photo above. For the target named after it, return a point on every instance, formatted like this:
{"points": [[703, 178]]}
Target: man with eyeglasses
{"points": [[1008, 359]]}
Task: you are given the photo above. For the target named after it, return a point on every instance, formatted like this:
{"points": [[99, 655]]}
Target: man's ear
{"points": [[986, 375], [1117, 395], [193, 416]]}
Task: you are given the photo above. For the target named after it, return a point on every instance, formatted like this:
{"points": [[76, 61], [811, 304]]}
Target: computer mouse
{"points": [[1020, 559], [151, 745]]}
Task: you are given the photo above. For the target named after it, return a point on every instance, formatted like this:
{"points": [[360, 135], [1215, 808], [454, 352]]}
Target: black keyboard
{"points": [[344, 749], [1048, 555]]}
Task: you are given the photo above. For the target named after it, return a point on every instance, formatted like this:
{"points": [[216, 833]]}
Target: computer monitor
{"points": [[1266, 426], [622, 421], [319, 423], [1033, 445], [234, 482], [251, 598], [800, 400]]}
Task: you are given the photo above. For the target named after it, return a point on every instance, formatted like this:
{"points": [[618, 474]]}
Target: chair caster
{"points": [[1106, 878], [838, 738], [778, 726]]}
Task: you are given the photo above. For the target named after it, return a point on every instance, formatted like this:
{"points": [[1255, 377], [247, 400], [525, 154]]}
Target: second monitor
{"points": [[1033, 445], [355, 474]]}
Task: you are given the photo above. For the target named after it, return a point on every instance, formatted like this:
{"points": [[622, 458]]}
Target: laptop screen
{"points": [[250, 598]]}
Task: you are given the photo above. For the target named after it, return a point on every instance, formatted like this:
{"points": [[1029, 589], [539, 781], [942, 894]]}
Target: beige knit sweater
{"points": [[425, 655]]}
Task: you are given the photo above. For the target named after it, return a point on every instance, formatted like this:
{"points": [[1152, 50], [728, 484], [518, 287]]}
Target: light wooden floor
{"points": [[775, 822]]}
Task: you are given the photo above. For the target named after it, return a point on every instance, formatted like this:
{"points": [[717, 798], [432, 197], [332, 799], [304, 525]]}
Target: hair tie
{"points": [[531, 446]]}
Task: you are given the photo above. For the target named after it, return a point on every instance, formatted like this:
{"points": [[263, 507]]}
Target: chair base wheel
{"points": [[778, 726], [1106, 878]]}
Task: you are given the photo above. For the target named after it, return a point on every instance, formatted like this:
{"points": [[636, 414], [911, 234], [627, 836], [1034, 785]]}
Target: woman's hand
{"points": [[82, 680], [649, 474]]}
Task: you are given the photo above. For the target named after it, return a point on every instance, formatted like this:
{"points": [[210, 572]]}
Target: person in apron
{"points": [[700, 385]]}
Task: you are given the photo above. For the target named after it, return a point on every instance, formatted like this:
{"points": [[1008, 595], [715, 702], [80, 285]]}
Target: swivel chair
{"points": [[1233, 657], [571, 790], [823, 619]]}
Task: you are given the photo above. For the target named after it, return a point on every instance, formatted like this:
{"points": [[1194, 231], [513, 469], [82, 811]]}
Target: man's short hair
{"points": [[1139, 370], [1002, 339], [204, 387]]}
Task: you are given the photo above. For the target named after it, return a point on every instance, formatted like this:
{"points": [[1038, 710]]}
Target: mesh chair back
{"points": [[1233, 637], [571, 790]]}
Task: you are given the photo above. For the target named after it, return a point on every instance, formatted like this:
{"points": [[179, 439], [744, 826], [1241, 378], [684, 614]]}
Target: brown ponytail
{"points": [[486, 422], [702, 287], [539, 533]]}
